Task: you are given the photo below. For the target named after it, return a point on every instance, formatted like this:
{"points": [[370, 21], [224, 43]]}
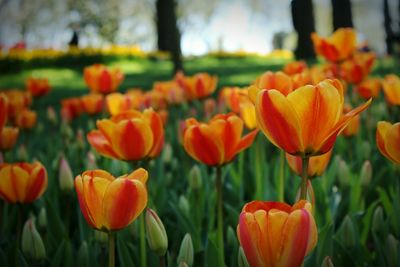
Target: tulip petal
{"points": [[275, 225], [278, 120], [101, 144], [139, 174], [381, 136], [392, 143], [13, 183], [157, 128], [246, 141], [124, 200], [84, 208], [37, 183], [249, 234]]}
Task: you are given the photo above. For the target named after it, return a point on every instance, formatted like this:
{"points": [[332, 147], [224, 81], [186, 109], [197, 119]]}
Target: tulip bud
{"points": [[100, 236], [346, 233], [327, 262], [51, 115], [392, 247], [242, 260], [183, 205], [343, 173], [65, 176], [32, 243], [378, 220], [155, 232], [366, 173], [167, 153], [22, 153], [42, 219], [186, 251], [83, 255], [91, 161], [195, 181]]}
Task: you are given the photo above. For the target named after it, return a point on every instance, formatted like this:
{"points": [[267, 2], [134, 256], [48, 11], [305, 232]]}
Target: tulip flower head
{"points": [[102, 80], [92, 103], [295, 67], [358, 67], [26, 119], [129, 136], [391, 88], [354, 125], [306, 121], [3, 110], [8, 138], [217, 142], [277, 234], [22, 182], [198, 86], [369, 88], [388, 140], [37, 86], [110, 203]]}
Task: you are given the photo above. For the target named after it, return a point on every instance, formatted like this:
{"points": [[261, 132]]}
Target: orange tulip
{"points": [[26, 119], [110, 203], [354, 125], [37, 86], [92, 103], [8, 138], [17, 100], [301, 79], [209, 106], [279, 81], [316, 167], [322, 72], [71, 108], [388, 140], [369, 88], [391, 88], [217, 142], [276, 234], [248, 115], [307, 121], [22, 182], [154, 99], [295, 67], [3, 110], [339, 46], [357, 68], [171, 90], [198, 86], [102, 80], [233, 97], [129, 136]]}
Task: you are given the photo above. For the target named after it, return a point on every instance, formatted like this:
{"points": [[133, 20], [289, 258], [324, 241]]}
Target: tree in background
{"points": [[341, 13], [303, 23]]}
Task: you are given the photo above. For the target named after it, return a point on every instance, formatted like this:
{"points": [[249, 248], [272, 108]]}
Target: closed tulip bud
{"points": [[392, 248], [183, 205], [346, 233], [32, 243], [186, 251], [51, 115], [83, 255], [378, 220], [42, 219], [327, 262], [155, 232], [366, 173], [91, 161], [167, 153], [65, 176], [242, 261], [101, 237], [195, 181], [22, 153], [343, 173]]}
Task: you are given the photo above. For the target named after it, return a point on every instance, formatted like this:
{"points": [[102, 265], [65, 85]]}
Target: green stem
{"points": [[259, 181], [220, 222], [111, 249], [304, 178], [143, 252], [162, 261], [19, 224], [281, 183]]}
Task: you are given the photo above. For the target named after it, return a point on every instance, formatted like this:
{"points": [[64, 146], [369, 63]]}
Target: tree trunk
{"points": [[388, 28], [303, 23], [168, 36], [341, 13]]}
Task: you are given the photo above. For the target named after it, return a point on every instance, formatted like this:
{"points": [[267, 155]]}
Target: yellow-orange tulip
{"points": [[37, 86], [277, 234], [110, 203], [92, 103], [321, 72], [388, 140], [154, 99], [391, 88], [3, 110], [217, 142], [307, 121], [339, 46], [369, 88], [354, 125], [248, 115], [17, 100], [129, 136], [278, 81], [358, 67], [233, 97], [197, 86], [8, 138], [316, 165], [171, 90], [295, 67], [301, 79], [102, 80], [26, 119], [22, 182]]}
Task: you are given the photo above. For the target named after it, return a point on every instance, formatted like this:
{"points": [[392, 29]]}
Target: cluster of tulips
{"points": [[301, 110]]}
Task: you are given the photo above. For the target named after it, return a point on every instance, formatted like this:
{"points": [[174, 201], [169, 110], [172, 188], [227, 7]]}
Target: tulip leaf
{"points": [[325, 243], [56, 227], [124, 255]]}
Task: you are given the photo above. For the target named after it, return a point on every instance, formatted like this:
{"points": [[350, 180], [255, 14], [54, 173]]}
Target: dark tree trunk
{"points": [[341, 13], [168, 35], [303, 23], [388, 28]]}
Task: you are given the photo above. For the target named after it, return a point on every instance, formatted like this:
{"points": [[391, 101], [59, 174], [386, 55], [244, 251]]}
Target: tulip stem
{"points": [[162, 261], [304, 177], [281, 183], [111, 249], [143, 259], [259, 180], [220, 222]]}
